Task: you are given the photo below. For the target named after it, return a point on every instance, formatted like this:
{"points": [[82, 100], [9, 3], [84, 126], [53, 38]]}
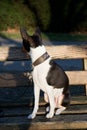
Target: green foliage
{"points": [[50, 15], [14, 14], [41, 10]]}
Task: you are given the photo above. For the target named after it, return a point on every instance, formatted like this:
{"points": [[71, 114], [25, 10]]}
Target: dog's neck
{"points": [[35, 53]]}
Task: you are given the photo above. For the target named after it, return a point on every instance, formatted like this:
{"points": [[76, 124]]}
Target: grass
{"points": [[50, 36], [65, 37]]}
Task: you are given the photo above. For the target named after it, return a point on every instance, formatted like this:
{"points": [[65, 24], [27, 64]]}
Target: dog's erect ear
{"points": [[32, 41], [24, 34], [26, 39], [38, 33]]}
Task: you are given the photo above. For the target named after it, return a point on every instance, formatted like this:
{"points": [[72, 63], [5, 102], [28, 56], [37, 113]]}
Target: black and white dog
{"points": [[47, 76]]}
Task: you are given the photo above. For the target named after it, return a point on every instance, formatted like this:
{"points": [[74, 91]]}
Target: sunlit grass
{"points": [[51, 36], [65, 37]]}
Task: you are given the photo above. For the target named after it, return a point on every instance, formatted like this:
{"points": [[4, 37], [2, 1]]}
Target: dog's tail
{"points": [[66, 100]]}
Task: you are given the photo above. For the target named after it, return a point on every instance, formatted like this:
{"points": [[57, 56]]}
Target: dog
{"points": [[48, 76]]}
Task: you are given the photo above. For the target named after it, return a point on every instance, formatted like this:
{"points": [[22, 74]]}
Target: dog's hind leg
{"points": [[36, 102], [60, 110], [58, 102], [46, 97]]}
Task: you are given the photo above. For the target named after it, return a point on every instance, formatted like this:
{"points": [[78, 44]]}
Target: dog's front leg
{"points": [[36, 102], [51, 101]]}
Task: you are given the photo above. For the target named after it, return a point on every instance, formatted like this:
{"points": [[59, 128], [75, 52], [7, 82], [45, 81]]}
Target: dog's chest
{"points": [[40, 73]]}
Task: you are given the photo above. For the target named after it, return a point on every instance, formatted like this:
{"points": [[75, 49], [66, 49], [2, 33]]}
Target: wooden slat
{"points": [[76, 113], [13, 80], [85, 68], [28, 102], [77, 77], [40, 122], [22, 111], [12, 53], [78, 100], [74, 117], [15, 112], [64, 51], [67, 52], [21, 79]]}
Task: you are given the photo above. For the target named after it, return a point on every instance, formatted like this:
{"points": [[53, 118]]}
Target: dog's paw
{"points": [[60, 110], [31, 116], [49, 115], [47, 109]]}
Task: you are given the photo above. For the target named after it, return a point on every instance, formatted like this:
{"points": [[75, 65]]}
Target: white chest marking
{"points": [[40, 71]]}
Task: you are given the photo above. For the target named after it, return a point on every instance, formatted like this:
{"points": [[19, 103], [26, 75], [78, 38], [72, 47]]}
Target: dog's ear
{"points": [[38, 33], [27, 40], [24, 34]]}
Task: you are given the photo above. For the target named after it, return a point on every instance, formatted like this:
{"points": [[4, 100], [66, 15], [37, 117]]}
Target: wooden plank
{"points": [[61, 52], [12, 54], [28, 102], [21, 79], [25, 110], [77, 77], [85, 68], [75, 117], [14, 80], [40, 122], [67, 51], [78, 100]]}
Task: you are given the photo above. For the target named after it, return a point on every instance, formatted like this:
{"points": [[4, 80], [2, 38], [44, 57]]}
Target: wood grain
{"points": [[13, 80], [85, 68], [61, 122], [28, 102], [56, 52], [16, 111], [21, 79], [74, 117]]}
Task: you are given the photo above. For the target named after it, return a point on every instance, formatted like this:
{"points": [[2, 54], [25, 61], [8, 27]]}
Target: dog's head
{"points": [[30, 41]]}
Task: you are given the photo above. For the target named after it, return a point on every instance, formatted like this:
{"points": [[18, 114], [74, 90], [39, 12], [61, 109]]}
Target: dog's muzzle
{"points": [[41, 59]]}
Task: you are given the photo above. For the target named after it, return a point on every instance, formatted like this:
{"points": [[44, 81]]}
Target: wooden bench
{"points": [[17, 109]]}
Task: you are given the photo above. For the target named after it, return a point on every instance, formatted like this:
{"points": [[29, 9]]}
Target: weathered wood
{"points": [[28, 102], [16, 111], [74, 117], [13, 80], [85, 68], [24, 111], [77, 77], [61, 52], [21, 79], [12, 54], [67, 52], [78, 100], [40, 122], [77, 109]]}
